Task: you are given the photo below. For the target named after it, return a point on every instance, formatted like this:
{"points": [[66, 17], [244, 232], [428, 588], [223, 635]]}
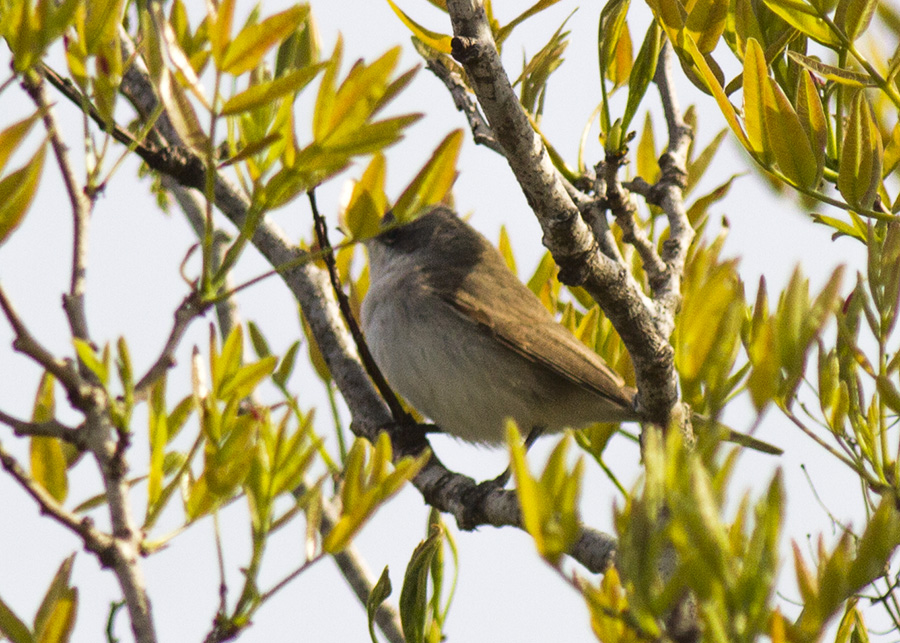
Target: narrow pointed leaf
{"points": [[253, 42], [16, 193]]}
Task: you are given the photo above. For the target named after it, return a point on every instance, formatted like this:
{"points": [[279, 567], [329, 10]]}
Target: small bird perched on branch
{"points": [[468, 345]]}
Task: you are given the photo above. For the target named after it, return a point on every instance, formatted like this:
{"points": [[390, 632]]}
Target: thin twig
{"points": [[73, 302], [620, 203], [397, 410], [668, 193], [190, 308], [49, 429], [25, 343], [94, 540]]}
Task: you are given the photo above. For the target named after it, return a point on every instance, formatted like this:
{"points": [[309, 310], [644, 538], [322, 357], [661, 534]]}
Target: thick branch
{"points": [[462, 99]]}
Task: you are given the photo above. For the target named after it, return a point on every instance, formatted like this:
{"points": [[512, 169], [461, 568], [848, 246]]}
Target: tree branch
{"points": [[26, 344], [94, 540], [50, 429], [73, 302], [668, 193], [190, 308], [481, 131]]}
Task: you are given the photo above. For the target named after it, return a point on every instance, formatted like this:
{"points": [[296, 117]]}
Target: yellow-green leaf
{"points": [[433, 181], [253, 42], [812, 119], [435, 40], [789, 142], [368, 202], [505, 248], [526, 487], [859, 171], [12, 137], [854, 16], [756, 84], [706, 22], [89, 358], [839, 75], [804, 18], [12, 627], [414, 594], [16, 193], [266, 92], [715, 87], [48, 466], [56, 615], [248, 377], [103, 19]]}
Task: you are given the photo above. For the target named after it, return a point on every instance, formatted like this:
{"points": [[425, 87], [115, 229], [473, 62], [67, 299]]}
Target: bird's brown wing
{"points": [[527, 328]]}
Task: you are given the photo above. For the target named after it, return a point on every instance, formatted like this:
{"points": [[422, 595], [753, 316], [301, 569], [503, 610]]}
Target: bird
{"points": [[468, 345]]}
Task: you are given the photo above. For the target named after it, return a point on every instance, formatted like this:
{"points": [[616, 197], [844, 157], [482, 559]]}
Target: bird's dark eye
{"points": [[390, 236]]}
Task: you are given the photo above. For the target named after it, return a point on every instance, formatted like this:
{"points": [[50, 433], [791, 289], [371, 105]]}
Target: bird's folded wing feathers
{"points": [[526, 333]]}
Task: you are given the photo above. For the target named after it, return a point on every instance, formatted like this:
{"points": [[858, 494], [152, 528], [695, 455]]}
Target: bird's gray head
{"points": [[437, 243]]}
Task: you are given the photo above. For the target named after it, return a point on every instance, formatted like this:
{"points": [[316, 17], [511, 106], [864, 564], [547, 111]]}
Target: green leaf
{"points": [[756, 84], [12, 137], [247, 378], [368, 202], [859, 170], [788, 141], [438, 41], [16, 193], [253, 42], [642, 72], [267, 92], [853, 16], [377, 596], [433, 181], [89, 358], [805, 19], [286, 367], [846, 77], [258, 340], [705, 23], [55, 617], [12, 627], [414, 594]]}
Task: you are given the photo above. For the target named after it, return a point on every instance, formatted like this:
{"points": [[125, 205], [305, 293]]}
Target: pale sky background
{"points": [[505, 592]]}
